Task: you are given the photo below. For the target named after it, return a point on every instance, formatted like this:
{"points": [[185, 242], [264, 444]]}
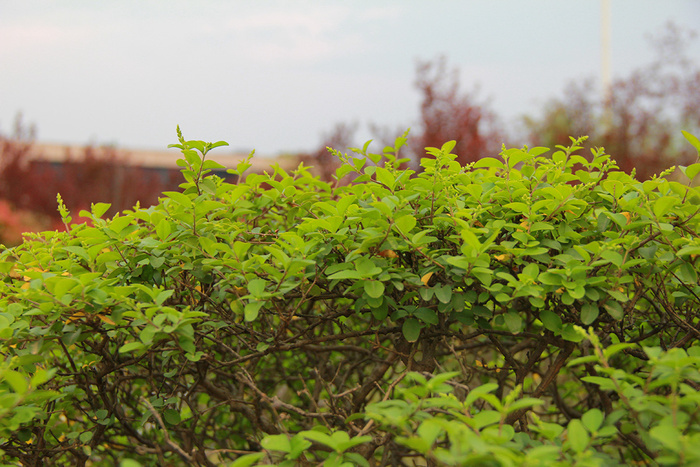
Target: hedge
{"points": [[539, 308]]}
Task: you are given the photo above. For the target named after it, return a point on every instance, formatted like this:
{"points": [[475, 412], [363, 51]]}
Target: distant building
{"points": [[164, 162]]}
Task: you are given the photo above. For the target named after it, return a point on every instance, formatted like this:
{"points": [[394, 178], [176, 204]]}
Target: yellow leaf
{"points": [[107, 320], [502, 258], [426, 278], [628, 216], [388, 254], [75, 317]]}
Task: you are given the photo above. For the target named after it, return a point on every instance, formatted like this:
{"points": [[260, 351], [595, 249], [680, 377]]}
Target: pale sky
{"points": [[275, 75]]}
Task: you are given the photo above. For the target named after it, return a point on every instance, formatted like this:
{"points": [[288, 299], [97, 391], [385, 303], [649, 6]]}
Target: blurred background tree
{"points": [[638, 122], [447, 114], [29, 183]]}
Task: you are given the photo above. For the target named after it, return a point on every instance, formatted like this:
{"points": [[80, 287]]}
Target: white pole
{"points": [[606, 75]]}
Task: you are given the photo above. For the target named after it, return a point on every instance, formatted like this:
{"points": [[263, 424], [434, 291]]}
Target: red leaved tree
{"points": [[97, 174], [447, 114], [639, 122]]}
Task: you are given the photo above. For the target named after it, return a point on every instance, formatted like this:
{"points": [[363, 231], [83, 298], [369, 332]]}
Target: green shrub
{"points": [[537, 309]]}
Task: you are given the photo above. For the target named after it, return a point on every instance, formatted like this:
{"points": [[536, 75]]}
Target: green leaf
{"points": [[374, 288], [179, 198], [516, 156], [444, 293], [668, 436], [321, 438], [592, 420], [532, 271], [569, 333], [252, 309], [16, 381], [276, 443], [78, 250], [486, 418], [488, 162], [692, 139], [405, 223], [98, 209], [606, 384], [618, 218], [663, 205], [692, 171], [426, 315], [218, 144], [614, 309], [589, 313], [616, 348], [343, 170], [513, 321], [366, 268], [163, 296], [524, 403], [551, 321], [577, 435], [131, 346], [246, 460], [134, 463], [581, 360], [171, 416], [346, 274], [256, 287], [163, 229], [85, 437], [385, 177], [479, 392], [411, 329], [345, 442], [355, 459]]}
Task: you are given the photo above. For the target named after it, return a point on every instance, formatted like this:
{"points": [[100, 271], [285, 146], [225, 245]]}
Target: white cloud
{"points": [[281, 35], [28, 38]]}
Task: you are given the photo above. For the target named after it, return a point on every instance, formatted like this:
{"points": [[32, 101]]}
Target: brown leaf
{"points": [[388, 254]]}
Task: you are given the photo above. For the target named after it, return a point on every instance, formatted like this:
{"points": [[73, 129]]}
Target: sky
{"points": [[276, 75]]}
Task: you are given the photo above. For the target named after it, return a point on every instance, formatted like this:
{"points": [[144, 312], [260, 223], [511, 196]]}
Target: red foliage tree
{"points": [[446, 114], [29, 183], [639, 122], [340, 137]]}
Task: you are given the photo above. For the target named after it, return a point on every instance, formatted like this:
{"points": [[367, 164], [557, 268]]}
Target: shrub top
{"points": [[271, 305]]}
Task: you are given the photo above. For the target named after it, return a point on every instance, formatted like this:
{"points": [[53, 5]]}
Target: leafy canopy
{"points": [[509, 312]]}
